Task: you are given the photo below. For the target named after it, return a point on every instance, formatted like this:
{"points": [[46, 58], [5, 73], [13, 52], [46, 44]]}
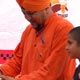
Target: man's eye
{"points": [[31, 13], [69, 42]]}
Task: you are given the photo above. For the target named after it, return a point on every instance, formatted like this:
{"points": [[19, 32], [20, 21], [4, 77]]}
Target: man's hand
{"points": [[6, 77]]}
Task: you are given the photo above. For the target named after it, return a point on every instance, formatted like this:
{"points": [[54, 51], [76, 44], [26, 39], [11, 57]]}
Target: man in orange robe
{"points": [[41, 53]]}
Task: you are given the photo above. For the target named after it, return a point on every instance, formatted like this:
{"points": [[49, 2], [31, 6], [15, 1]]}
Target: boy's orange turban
{"points": [[34, 5]]}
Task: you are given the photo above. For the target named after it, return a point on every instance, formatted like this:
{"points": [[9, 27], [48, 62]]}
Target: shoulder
{"points": [[26, 32], [61, 23]]}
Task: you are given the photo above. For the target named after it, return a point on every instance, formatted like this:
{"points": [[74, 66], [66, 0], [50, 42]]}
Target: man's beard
{"points": [[39, 27]]}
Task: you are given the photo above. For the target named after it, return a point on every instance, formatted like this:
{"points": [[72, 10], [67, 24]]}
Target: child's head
{"points": [[73, 45]]}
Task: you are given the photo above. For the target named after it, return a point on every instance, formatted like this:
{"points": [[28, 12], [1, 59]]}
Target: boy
{"points": [[73, 48]]}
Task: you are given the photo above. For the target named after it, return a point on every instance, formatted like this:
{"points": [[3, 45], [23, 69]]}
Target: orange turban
{"points": [[35, 5], [20, 2]]}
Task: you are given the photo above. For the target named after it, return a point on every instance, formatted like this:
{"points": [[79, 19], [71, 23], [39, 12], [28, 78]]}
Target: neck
{"points": [[39, 28]]}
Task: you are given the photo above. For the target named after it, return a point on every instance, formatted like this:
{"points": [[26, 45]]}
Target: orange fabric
{"points": [[35, 5], [20, 2], [34, 60]]}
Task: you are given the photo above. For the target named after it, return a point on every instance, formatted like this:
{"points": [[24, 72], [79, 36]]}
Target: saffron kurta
{"points": [[42, 55]]}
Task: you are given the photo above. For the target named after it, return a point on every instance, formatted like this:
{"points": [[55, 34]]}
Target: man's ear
{"points": [[47, 10]]}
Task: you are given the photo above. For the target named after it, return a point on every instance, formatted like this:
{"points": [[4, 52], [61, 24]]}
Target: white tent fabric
{"points": [[12, 24]]}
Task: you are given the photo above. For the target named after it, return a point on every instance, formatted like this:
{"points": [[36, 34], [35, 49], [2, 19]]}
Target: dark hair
{"points": [[75, 33]]}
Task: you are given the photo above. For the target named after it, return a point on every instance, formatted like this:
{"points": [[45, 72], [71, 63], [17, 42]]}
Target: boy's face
{"points": [[73, 48]]}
